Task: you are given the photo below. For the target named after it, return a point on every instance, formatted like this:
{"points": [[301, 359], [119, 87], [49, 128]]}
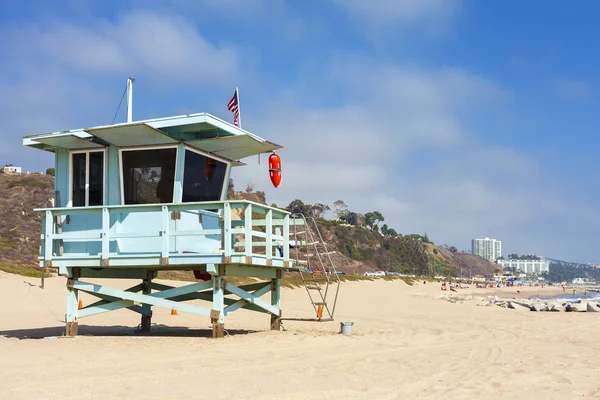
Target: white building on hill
{"points": [[12, 168], [527, 266], [490, 249]]}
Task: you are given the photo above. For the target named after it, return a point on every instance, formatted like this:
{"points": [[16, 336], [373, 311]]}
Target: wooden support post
{"points": [[72, 328], [275, 301], [217, 314], [147, 308]]}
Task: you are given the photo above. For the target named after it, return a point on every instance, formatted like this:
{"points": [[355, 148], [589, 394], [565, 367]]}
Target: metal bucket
{"points": [[346, 328]]}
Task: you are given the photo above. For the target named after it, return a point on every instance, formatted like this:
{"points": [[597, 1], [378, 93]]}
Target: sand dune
{"points": [[407, 344]]}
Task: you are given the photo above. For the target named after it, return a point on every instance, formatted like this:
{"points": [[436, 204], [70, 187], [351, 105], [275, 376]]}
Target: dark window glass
{"points": [[149, 176], [203, 178], [96, 189], [79, 172], [93, 172]]}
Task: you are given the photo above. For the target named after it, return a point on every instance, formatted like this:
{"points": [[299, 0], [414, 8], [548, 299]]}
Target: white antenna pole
{"points": [[239, 109], [130, 81]]}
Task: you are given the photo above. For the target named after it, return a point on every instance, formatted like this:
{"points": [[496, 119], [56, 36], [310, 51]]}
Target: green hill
{"points": [[20, 226]]}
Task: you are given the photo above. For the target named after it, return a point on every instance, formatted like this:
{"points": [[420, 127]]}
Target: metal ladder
{"points": [[317, 270]]}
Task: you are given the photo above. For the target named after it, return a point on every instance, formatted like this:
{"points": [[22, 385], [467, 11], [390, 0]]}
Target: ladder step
{"points": [[313, 287], [319, 303]]}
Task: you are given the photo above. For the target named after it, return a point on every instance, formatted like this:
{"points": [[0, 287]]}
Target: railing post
{"points": [[48, 239], [227, 232], [248, 232], [286, 239], [165, 235], [105, 236], [269, 234]]}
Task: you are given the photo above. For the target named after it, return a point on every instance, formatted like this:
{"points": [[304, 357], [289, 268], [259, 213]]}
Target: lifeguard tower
{"points": [[140, 197]]}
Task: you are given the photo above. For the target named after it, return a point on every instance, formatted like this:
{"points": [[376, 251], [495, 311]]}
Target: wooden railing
{"points": [[255, 230]]}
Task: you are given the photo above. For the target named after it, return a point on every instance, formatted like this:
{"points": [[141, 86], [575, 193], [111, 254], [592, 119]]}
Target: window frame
{"points": [[227, 163], [87, 175], [186, 147], [143, 148]]}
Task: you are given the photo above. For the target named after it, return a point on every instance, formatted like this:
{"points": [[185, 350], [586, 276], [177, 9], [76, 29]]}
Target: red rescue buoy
{"points": [[209, 169], [275, 169]]}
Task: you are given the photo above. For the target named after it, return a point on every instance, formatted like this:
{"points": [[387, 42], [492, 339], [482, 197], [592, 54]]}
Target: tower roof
{"points": [[202, 131]]}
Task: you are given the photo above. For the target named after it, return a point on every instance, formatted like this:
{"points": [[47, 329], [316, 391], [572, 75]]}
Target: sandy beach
{"points": [[406, 344]]}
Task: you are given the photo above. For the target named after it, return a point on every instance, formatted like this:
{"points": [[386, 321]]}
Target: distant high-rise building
{"points": [[490, 249]]}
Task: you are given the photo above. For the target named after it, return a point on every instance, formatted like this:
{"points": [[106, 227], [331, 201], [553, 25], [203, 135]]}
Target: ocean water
{"points": [[579, 295]]}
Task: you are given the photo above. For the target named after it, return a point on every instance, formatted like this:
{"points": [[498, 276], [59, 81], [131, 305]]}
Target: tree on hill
{"points": [[340, 209], [299, 207], [372, 218], [353, 218], [384, 229], [318, 210]]}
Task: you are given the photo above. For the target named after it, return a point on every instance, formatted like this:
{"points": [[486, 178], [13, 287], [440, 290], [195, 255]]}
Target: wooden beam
{"points": [[159, 299], [266, 287], [250, 298]]}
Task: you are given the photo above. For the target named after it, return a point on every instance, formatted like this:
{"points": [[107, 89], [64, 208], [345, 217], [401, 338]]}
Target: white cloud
{"points": [[140, 42], [427, 16], [356, 150], [271, 16], [63, 74], [407, 10]]}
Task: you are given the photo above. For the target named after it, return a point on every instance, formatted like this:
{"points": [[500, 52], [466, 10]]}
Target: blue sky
{"points": [[461, 119]]}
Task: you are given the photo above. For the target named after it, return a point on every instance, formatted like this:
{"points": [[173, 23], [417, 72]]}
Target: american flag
{"points": [[234, 107]]}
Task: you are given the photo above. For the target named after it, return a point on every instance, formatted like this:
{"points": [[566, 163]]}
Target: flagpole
{"points": [[237, 93], [130, 81]]}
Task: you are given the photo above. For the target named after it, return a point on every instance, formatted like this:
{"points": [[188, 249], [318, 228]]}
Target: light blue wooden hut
{"points": [[140, 197]]}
